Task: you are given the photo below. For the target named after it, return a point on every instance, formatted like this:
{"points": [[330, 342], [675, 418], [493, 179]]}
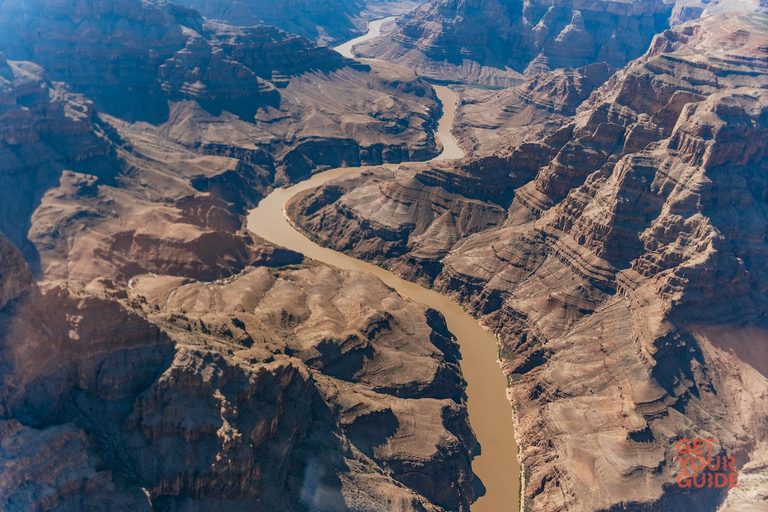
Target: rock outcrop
{"points": [[325, 21], [43, 128], [500, 42], [621, 261], [166, 358], [16, 275]]}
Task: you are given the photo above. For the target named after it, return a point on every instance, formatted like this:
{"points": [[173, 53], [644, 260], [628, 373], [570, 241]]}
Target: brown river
{"points": [[489, 411]]}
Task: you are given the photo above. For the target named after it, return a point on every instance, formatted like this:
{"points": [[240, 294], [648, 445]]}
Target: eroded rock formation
{"points": [[621, 260], [500, 42], [163, 357], [257, 391], [325, 21], [257, 93]]}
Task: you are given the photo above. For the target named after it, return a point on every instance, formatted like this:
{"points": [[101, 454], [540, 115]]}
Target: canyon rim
{"points": [[488, 255]]}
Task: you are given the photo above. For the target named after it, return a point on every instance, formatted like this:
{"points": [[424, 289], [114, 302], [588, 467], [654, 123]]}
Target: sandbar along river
{"points": [[489, 411]]}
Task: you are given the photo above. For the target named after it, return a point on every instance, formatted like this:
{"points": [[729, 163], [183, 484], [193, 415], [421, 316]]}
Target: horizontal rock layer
{"points": [[499, 42], [620, 258], [134, 137]]}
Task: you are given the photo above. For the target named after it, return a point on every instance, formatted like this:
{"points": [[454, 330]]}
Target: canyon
{"points": [[324, 21], [486, 402], [157, 355], [502, 42], [613, 258], [240, 270]]}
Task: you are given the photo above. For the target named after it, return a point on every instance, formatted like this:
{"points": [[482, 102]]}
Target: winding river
{"points": [[489, 411]]}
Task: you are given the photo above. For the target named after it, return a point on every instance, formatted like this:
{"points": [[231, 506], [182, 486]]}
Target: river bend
{"points": [[489, 410]]}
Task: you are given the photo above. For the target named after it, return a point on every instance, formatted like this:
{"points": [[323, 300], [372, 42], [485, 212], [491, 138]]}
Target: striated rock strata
{"points": [[325, 21], [163, 357], [235, 111], [499, 42], [253, 392], [269, 98], [621, 259], [490, 122]]}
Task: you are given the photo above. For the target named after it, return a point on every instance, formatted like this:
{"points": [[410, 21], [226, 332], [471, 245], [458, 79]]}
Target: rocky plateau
{"points": [[618, 249], [500, 42], [155, 354]]}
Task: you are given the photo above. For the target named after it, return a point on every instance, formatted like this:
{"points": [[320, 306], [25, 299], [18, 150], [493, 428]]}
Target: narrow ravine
{"points": [[489, 410]]}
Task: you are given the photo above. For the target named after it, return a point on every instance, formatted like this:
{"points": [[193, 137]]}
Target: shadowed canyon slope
{"points": [[621, 258], [608, 226], [187, 109], [163, 357], [324, 21], [499, 42]]}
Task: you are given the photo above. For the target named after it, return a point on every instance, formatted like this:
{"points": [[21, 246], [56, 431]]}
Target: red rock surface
{"points": [[163, 357], [621, 260], [499, 42]]}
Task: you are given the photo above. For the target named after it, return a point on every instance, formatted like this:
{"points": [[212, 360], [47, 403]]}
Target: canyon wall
{"points": [[500, 42], [156, 355], [621, 260]]}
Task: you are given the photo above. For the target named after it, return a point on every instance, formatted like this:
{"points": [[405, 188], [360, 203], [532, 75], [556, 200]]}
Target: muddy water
{"points": [[374, 29], [489, 411]]}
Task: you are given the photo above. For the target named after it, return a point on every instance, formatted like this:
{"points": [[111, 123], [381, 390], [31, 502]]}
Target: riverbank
{"points": [[489, 410]]}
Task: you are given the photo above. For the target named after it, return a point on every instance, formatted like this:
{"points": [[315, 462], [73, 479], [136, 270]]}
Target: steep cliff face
{"points": [[123, 387], [325, 21], [622, 265], [217, 87], [16, 276], [499, 42], [43, 128]]}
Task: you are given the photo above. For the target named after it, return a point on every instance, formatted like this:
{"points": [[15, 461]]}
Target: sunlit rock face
{"points": [[154, 354], [499, 42], [620, 258], [329, 22]]}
